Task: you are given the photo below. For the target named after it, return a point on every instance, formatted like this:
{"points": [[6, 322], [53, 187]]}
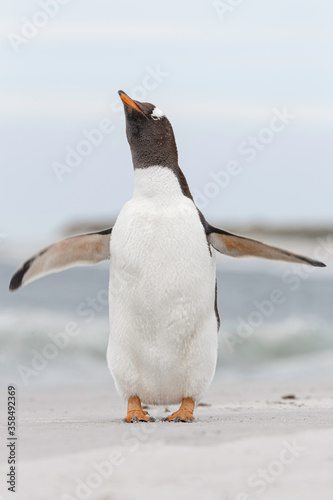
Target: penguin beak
{"points": [[127, 100]]}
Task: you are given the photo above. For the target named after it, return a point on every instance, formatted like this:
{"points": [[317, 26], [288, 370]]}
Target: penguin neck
{"points": [[161, 183]]}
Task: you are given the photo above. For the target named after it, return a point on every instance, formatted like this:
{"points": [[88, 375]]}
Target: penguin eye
{"points": [[155, 117]]}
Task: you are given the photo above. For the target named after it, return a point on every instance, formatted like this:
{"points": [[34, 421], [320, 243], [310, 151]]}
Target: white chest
{"points": [[160, 259], [163, 330]]}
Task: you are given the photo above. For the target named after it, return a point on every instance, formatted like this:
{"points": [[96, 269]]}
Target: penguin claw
{"points": [[135, 419], [178, 419]]}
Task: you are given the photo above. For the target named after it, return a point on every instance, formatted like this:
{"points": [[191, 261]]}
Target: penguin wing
{"points": [[82, 250], [240, 246]]}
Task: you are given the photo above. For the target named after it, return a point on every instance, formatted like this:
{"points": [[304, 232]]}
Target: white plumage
{"points": [[163, 337], [157, 113]]}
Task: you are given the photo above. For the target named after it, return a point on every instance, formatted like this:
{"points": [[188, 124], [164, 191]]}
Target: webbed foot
{"points": [[135, 413], [185, 412]]}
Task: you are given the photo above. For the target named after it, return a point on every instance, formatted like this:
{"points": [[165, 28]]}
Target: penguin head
{"points": [[149, 134]]}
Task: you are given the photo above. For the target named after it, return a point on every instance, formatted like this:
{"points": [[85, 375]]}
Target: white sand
{"points": [[65, 434]]}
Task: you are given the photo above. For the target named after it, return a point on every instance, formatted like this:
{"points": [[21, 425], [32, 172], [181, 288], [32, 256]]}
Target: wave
{"points": [[242, 344], [40, 348]]}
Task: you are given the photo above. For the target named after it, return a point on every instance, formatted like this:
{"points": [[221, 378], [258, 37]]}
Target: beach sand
{"points": [[247, 442]]}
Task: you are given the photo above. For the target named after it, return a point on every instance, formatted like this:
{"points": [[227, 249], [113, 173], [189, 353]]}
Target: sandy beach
{"points": [[248, 441]]}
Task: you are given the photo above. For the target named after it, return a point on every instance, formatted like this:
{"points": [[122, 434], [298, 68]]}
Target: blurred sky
{"points": [[219, 83]]}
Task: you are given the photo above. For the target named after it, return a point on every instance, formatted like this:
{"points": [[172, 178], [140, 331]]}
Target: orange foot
{"points": [[185, 412], [135, 413]]}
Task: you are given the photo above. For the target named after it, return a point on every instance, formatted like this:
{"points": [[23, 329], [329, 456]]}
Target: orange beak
{"points": [[124, 97]]}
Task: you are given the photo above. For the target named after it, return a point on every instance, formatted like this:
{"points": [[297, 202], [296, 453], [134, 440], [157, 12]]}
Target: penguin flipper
{"points": [[240, 246], [81, 250]]}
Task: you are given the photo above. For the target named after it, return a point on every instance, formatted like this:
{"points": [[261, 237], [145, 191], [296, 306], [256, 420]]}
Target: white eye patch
{"points": [[156, 114]]}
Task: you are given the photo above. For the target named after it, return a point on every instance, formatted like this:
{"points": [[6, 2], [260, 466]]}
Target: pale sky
{"points": [[249, 95]]}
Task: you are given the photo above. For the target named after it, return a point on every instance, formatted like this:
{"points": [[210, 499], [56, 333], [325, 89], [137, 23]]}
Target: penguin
{"points": [[162, 289]]}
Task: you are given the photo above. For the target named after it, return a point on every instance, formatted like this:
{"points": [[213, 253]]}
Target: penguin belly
{"points": [[163, 327]]}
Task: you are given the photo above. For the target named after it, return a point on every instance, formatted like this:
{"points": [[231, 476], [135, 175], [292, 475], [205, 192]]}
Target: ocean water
{"points": [[274, 316]]}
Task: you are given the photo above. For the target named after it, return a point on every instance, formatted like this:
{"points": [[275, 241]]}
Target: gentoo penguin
{"points": [[162, 293]]}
